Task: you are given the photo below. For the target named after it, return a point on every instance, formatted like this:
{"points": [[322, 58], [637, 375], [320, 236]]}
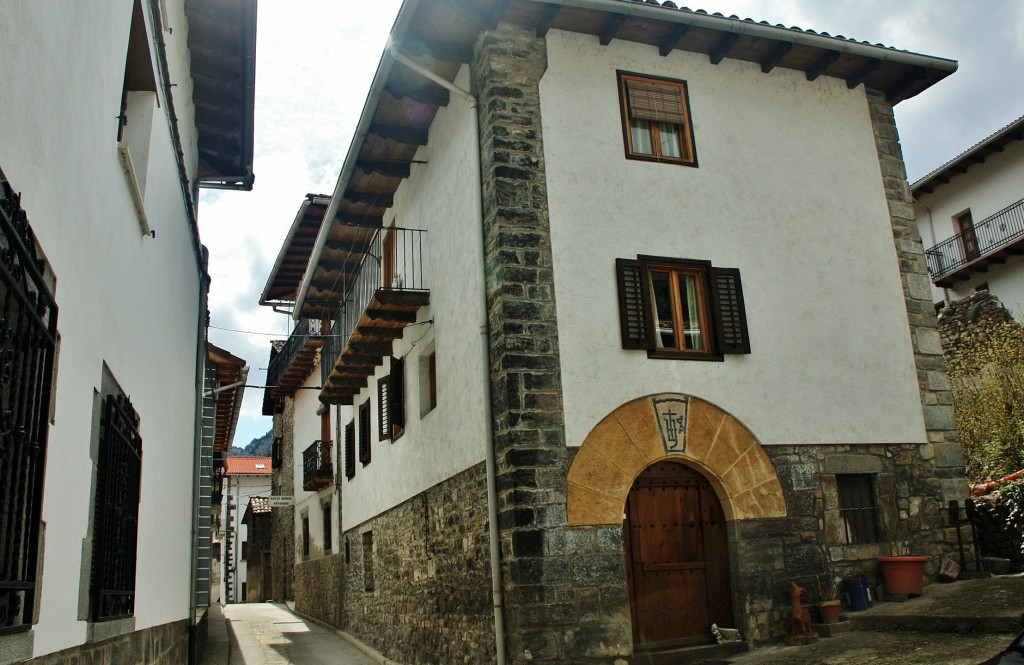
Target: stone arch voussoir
{"points": [[677, 427]]}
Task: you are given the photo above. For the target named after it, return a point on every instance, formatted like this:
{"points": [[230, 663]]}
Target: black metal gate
{"points": [[28, 335]]}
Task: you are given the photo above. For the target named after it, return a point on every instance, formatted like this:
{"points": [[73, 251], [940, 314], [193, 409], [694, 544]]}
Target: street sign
{"points": [[281, 501]]}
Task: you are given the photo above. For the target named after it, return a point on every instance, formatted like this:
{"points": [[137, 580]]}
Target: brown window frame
{"points": [[680, 117], [365, 438], [350, 450], [723, 318], [968, 236]]}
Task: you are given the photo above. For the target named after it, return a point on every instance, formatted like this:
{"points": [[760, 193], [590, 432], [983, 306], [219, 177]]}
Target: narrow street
{"points": [[268, 634]]}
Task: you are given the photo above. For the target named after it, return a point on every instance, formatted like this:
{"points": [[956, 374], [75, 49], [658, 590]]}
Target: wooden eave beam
{"points": [[370, 331], [722, 50], [547, 19], [407, 135], [374, 349], [776, 56], [905, 83], [427, 92], [669, 43], [398, 316], [1016, 136], [391, 168], [437, 50], [611, 28], [869, 68], [823, 63], [372, 199], [977, 158], [470, 13], [347, 247]]}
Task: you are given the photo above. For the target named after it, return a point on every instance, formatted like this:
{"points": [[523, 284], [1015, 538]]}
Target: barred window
{"points": [[858, 508], [116, 518]]}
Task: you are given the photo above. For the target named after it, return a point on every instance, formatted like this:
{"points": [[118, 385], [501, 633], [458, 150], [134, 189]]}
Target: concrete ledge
{"points": [[833, 629], [16, 647]]}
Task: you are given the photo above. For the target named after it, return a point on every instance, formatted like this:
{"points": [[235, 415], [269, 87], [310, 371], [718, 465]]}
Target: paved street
{"points": [[268, 634]]}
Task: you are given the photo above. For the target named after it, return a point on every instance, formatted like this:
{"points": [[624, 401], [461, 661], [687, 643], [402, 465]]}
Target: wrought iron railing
{"points": [[29, 324], [316, 462], [303, 330], [394, 253], [116, 524], [987, 236]]}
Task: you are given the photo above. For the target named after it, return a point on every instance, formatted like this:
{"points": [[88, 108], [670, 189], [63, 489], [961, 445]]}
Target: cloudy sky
{"points": [[315, 60]]}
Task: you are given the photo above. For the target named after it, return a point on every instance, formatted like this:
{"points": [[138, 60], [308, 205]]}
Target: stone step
{"points": [[709, 654]]}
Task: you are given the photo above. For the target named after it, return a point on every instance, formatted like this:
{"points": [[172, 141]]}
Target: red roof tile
{"points": [[247, 465]]}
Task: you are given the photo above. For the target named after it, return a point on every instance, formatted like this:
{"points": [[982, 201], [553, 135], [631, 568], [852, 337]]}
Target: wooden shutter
{"points": [[731, 334], [350, 450], [364, 432], [397, 397], [634, 312], [384, 408], [655, 101]]}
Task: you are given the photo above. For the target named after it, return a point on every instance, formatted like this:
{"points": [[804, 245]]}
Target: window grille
{"points": [[116, 521], [858, 508], [27, 355]]}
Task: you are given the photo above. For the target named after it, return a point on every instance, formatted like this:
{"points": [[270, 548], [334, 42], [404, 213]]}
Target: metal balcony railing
{"points": [[303, 331], [392, 262], [985, 238], [317, 470]]}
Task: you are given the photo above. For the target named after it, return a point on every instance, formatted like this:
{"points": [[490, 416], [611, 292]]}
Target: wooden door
{"points": [[968, 237], [677, 557], [268, 577]]}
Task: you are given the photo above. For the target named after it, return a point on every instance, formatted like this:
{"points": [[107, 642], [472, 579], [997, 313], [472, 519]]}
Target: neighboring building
{"points": [[256, 551], [970, 213], [244, 478], [112, 116], [640, 325]]}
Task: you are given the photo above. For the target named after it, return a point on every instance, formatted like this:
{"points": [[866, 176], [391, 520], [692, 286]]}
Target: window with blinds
{"points": [[656, 119]]}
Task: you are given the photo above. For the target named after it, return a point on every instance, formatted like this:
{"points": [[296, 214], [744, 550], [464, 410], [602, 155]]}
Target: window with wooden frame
{"points": [[391, 402], [364, 432], [350, 450], [428, 380], [327, 532], [858, 508], [681, 308], [968, 237], [305, 535], [656, 123]]}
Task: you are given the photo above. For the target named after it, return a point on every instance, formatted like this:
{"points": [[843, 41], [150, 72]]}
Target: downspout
{"points": [[197, 465], [478, 214]]}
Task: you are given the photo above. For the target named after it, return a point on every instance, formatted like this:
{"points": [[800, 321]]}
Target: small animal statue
{"points": [[801, 619]]}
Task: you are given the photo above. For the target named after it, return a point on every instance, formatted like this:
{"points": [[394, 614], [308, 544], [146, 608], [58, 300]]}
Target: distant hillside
{"points": [[258, 447]]}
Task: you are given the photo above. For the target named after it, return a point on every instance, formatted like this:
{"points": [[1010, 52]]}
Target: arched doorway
{"points": [[677, 558]]}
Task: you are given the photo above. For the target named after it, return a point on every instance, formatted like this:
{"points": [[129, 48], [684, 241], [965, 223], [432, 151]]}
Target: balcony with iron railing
{"points": [[292, 364], [317, 470], [389, 287], [988, 242]]}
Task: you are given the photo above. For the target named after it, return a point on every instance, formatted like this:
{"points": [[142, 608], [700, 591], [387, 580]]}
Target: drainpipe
{"points": [[197, 464], [478, 214]]}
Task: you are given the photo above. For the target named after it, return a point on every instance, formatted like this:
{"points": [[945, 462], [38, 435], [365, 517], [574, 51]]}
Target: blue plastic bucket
{"points": [[857, 593]]}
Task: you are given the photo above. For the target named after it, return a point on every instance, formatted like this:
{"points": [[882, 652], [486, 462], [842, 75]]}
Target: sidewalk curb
{"points": [[348, 637]]}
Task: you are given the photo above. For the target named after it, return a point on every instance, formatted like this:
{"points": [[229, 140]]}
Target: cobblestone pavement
{"points": [[268, 634]]}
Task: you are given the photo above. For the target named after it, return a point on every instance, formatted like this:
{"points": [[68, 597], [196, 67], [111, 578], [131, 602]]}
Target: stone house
{"points": [[244, 478], [970, 214], [112, 116], [256, 550], [579, 328]]}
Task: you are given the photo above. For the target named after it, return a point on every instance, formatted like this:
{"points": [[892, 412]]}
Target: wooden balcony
{"points": [[990, 242], [383, 300], [293, 363]]}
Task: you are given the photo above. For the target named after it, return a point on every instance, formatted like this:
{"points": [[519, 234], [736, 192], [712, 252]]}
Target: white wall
{"points": [[451, 438], [788, 190], [307, 430], [985, 190], [127, 300], [243, 487]]}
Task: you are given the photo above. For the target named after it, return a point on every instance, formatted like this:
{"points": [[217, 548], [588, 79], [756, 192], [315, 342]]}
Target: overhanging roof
{"points": [[283, 283], [440, 34], [228, 402], [976, 154], [222, 47]]}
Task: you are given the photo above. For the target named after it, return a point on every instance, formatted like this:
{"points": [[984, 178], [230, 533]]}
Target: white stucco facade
{"points": [[127, 301], [309, 505], [831, 357], [984, 190], [238, 489], [438, 444]]}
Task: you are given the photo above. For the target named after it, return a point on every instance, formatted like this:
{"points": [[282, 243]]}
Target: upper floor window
{"points": [[677, 308], [656, 119]]}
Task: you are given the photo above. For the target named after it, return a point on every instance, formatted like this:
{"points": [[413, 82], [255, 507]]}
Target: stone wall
{"points": [[969, 318], [319, 589], [282, 546], [160, 645], [430, 600]]}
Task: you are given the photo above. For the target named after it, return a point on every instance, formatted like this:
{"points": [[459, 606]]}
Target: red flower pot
{"points": [[829, 611], [903, 575]]}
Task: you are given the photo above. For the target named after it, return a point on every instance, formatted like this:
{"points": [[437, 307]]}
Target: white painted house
{"points": [[113, 114], [970, 213], [244, 478], [598, 371]]}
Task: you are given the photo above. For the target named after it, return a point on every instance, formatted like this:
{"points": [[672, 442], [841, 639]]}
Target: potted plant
{"points": [[829, 605], [902, 574]]}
